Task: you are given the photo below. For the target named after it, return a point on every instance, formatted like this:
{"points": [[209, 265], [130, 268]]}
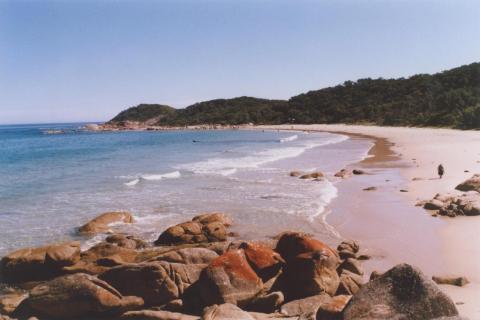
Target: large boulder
{"points": [[206, 218], [310, 266], [311, 273], [102, 257], [229, 279], [41, 263], [403, 292], [188, 256], [78, 295], [156, 282], [291, 244], [265, 262], [226, 311], [472, 184], [101, 224], [193, 232]]}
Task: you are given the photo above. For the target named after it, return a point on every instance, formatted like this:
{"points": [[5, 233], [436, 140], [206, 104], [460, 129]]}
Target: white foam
{"points": [[154, 177], [291, 138], [170, 175], [132, 182], [228, 166]]}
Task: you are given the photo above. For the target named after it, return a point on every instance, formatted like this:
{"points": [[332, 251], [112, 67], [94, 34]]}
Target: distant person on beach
{"points": [[441, 171]]}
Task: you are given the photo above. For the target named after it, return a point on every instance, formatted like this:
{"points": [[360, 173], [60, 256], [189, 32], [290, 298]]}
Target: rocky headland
{"points": [[197, 270]]}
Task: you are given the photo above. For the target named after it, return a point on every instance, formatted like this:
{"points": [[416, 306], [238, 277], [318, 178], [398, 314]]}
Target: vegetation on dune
{"points": [[447, 99]]}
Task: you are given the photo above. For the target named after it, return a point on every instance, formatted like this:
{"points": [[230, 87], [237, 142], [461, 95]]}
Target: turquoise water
{"points": [[52, 183]]}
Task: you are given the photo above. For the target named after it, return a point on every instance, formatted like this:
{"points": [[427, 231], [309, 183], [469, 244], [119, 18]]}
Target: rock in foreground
{"points": [[78, 295], [229, 279], [403, 292], [41, 263]]}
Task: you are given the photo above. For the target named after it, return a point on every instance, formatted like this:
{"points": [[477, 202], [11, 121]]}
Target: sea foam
{"points": [[229, 166], [291, 138], [154, 177]]}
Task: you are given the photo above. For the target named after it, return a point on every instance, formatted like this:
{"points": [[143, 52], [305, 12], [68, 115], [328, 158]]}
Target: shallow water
{"points": [[52, 183]]}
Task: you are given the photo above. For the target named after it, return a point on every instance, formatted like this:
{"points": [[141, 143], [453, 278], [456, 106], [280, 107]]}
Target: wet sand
{"points": [[386, 220]]}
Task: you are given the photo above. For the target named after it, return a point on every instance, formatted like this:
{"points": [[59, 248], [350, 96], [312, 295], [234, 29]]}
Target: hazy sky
{"points": [[88, 60]]}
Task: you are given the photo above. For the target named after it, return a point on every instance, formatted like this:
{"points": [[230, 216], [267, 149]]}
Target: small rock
{"points": [[344, 173], [345, 254], [403, 190], [295, 174], [364, 257], [454, 281], [358, 171], [370, 189], [313, 175], [349, 245], [434, 204]]}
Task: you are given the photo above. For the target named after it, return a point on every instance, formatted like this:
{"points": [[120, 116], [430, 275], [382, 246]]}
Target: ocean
{"points": [[50, 184]]}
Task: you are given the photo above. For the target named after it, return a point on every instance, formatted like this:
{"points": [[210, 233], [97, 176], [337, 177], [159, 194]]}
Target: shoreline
{"points": [[439, 246]]}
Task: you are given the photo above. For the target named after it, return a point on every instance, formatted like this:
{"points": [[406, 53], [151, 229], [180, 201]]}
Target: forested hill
{"points": [[447, 99]]}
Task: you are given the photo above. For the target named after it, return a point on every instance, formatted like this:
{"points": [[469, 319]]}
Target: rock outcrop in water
{"points": [[101, 223], [298, 277]]}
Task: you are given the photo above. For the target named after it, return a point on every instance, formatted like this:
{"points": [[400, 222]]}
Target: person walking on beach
{"points": [[441, 170]]}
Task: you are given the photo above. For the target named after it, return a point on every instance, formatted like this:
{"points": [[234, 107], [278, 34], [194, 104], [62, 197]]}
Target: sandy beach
{"points": [[387, 221]]}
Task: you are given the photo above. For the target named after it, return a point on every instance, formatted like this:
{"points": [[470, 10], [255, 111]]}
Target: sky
{"points": [[75, 61]]}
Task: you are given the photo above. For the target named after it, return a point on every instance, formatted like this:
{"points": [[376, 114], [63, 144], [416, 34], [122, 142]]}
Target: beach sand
{"points": [[386, 220]]}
